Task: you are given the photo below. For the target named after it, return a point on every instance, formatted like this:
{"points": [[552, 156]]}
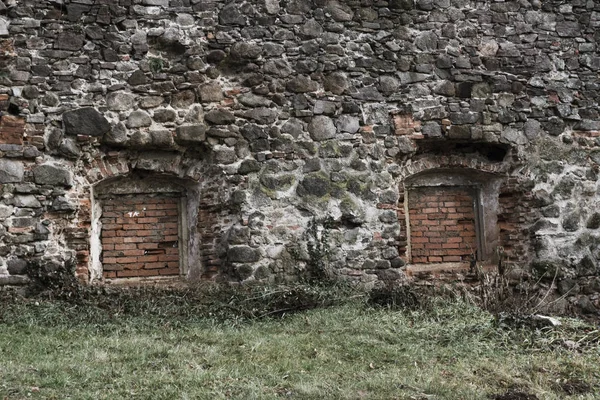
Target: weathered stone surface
{"points": [[138, 119], [243, 254], [48, 174], [120, 101], [336, 83], [220, 117], [4, 24], [190, 134], [11, 171], [26, 201], [321, 128], [85, 121], [245, 51], [69, 41], [313, 109], [339, 12], [16, 266], [252, 100], [211, 92], [302, 84], [348, 123], [316, 184]]}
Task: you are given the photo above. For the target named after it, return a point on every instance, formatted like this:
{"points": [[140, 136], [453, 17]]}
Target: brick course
{"points": [[140, 236], [442, 224]]}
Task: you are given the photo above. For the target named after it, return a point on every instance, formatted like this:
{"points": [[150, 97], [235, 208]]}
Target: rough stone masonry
{"points": [[430, 134]]}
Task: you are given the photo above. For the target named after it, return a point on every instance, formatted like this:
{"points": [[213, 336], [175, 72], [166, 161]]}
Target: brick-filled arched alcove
{"points": [[451, 217], [143, 225]]}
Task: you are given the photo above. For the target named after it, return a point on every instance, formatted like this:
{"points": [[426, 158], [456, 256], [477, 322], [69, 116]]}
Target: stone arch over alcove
{"points": [[460, 209], [202, 190]]}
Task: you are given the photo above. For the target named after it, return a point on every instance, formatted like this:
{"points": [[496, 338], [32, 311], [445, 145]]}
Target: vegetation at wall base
{"points": [[296, 341]]}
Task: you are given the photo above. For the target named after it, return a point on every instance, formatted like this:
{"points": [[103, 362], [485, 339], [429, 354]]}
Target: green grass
{"points": [[450, 350]]}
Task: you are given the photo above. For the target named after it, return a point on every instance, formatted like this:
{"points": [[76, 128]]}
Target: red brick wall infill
{"points": [[140, 236], [442, 224]]}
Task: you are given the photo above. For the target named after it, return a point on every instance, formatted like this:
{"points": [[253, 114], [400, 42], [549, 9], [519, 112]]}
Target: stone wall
{"points": [[277, 113]]}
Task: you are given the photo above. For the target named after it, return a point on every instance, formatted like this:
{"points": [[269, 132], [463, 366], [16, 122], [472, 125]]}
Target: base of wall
{"points": [[445, 271]]}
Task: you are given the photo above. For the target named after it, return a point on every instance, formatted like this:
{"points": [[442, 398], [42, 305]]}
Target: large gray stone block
{"points": [[11, 171], [85, 121]]}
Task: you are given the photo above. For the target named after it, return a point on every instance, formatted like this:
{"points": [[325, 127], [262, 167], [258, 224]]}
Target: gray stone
{"points": [[315, 184], [231, 15], [27, 201], [431, 129], [481, 90], [293, 127], [151, 101], [426, 41], [568, 29], [220, 117], [321, 128], [324, 107], [138, 77], [402, 4], [245, 51], [445, 88], [11, 171], [242, 254], [4, 24], [586, 305], [163, 3], [249, 166], [138, 119], [120, 101], [388, 84], [339, 12], [61, 203], [16, 266], [593, 221], [514, 136], [164, 115], [532, 129], [117, 136], [570, 222], [190, 134], [412, 77], [68, 41], [406, 145], [348, 123], [6, 211], [311, 29], [85, 121], [211, 92], [69, 149], [183, 99], [568, 286], [161, 138], [336, 83], [277, 182], [261, 115], [48, 174], [252, 100], [225, 155], [302, 84], [272, 6], [369, 93]]}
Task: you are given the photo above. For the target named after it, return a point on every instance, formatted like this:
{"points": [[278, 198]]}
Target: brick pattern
{"points": [[140, 236], [405, 125], [11, 130], [442, 224], [517, 212]]}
